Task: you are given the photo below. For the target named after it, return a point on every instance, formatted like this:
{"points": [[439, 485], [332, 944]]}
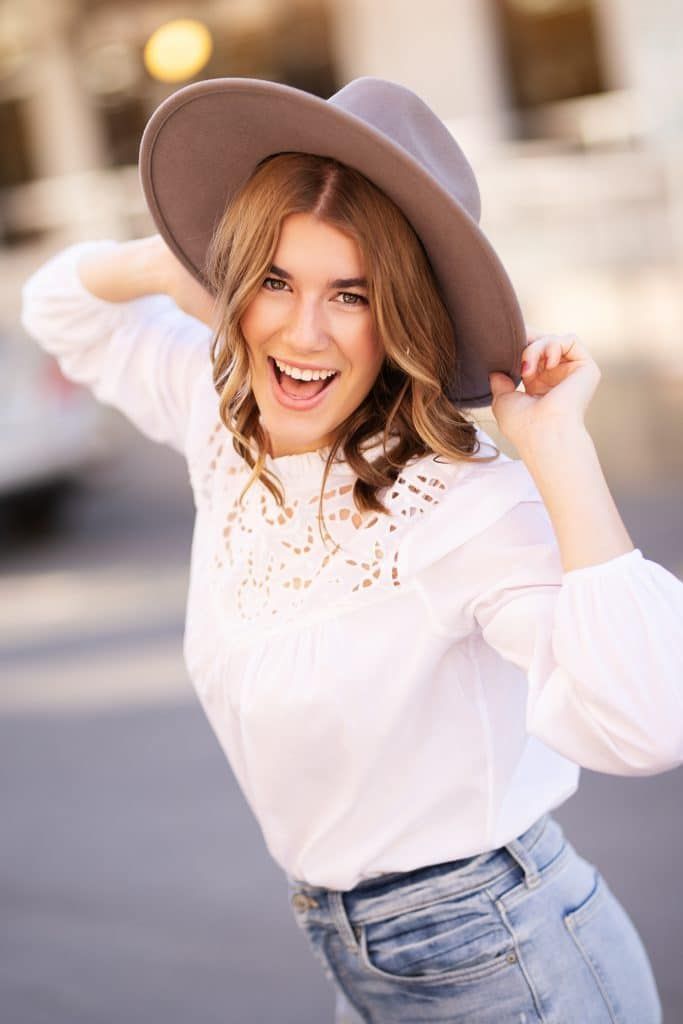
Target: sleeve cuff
{"points": [[600, 568]]}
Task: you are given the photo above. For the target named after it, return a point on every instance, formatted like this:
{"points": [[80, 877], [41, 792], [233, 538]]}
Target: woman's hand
{"points": [[560, 378], [185, 290]]}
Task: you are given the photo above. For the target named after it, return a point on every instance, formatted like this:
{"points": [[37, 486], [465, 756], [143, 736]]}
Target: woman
{"points": [[406, 642]]}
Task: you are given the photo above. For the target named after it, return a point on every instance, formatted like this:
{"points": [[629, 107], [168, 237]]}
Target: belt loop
{"points": [[339, 916], [526, 862]]}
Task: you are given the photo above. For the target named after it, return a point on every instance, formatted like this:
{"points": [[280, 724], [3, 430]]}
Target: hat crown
{"points": [[405, 119]]}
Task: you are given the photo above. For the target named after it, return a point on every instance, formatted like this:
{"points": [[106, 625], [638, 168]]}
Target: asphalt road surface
{"points": [[134, 882]]}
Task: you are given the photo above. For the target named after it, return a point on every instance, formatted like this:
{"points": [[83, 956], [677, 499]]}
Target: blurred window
{"points": [[15, 154], [289, 43], [124, 120], [551, 49]]}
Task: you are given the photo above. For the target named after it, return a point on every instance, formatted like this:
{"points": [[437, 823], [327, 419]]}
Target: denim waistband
{"points": [[375, 899], [466, 869], [432, 872]]}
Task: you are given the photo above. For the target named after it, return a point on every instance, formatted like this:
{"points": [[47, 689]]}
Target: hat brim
{"points": [[203, 142]]}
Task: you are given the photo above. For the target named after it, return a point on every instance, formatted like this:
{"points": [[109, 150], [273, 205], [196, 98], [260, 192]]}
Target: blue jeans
{"points": [[527, 933]]}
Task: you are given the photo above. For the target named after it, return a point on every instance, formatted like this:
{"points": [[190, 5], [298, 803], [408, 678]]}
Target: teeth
{"points": [[294, 371]]}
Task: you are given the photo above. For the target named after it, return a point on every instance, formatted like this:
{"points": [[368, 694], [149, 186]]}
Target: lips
{"points": [[297, 404], [303, 366]]}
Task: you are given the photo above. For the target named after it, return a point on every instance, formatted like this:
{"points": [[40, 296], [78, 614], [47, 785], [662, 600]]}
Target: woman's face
{"points": [[312, 312]]}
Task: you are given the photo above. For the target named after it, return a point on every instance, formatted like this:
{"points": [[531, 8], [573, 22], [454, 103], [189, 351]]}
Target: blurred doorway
{"points": [[551, 51]]}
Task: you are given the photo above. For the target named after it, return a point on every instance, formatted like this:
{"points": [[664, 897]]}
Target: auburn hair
{"points": [[408, 401]]}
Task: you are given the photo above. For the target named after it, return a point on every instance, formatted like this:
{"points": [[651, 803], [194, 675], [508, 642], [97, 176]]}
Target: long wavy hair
{"points": [[408, 400]]}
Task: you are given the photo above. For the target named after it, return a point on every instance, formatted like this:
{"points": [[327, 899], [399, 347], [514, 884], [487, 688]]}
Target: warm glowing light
{"points": [[178, 50], [540, 7]]}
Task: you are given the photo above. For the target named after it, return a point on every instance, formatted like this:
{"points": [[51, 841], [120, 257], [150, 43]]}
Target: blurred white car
{"points": [[51, 430]]}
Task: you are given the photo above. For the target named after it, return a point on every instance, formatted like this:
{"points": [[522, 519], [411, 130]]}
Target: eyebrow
{"points": [[340, 282]]}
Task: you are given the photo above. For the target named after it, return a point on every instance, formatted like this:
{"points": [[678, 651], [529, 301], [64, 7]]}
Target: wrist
{"points": [[148, 265], [553, 441]]}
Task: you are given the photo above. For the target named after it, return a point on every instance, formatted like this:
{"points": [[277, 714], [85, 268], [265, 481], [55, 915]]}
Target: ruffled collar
{"points": [[306, 467]]}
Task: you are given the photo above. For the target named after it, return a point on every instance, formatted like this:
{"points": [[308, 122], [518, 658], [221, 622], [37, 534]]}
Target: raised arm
{"points": [[144, 266], [110, 313], [601, 646]]}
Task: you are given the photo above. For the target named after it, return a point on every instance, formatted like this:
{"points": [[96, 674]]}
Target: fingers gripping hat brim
{"points": [[204, 141]]}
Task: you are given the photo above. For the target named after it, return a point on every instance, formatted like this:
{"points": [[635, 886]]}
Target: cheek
{"points": [[249, 323], [368, 359], [375, 355], [258, 319], [364, 347]]}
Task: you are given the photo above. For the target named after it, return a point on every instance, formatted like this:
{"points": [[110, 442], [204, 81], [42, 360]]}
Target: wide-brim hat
{"points": [[204, 141]]}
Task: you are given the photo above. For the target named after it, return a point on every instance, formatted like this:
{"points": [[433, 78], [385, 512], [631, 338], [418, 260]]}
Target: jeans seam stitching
{"points": [[382, 915], [521, 891], [594, 972], [589, 907], [518, 952], [341, 981], [341, 920], [455, 975]]}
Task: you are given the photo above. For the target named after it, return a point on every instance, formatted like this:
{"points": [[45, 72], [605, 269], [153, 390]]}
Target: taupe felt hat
{"points": [[203, 142]]}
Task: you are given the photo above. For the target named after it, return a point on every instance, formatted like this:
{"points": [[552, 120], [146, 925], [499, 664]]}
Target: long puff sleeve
{"points": [[143, 357], [601, 646]]}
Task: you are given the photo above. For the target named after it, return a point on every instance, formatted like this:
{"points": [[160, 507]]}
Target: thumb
{"points": [[500, 383]]}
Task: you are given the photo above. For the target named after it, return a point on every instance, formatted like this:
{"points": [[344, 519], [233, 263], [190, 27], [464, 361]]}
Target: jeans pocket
{"points": [[613, 952], [453, 940]]}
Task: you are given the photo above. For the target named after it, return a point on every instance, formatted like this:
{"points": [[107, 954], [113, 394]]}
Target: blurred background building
{"points": [[571, 112]]}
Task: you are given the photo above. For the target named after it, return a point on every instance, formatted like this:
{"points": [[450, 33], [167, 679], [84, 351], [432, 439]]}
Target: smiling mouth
{"points": [[300, 389]]}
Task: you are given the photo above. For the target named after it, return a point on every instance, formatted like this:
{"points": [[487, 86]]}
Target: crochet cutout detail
{"points": [[269, 565]]}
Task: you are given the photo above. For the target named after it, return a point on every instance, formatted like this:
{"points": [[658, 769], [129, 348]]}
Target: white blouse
{"points": [[423, 688]]}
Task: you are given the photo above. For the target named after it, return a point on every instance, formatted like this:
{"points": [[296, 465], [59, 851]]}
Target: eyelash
{"points": [[363, 300]]}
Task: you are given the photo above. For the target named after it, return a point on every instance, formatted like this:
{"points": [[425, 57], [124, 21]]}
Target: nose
{"points": [[306, 330]]}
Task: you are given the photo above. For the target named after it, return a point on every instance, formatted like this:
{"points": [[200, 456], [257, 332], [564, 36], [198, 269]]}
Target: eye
{"points": [[357, 300]]}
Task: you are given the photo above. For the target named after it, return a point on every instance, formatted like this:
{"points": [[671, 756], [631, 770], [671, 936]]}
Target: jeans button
{"points": [[300, 901]]}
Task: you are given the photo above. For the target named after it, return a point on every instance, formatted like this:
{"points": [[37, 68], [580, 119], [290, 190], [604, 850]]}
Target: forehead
{"points": [[308, 243]]}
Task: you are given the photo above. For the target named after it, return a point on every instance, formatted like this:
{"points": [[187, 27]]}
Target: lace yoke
{"points": [[269, 566]]}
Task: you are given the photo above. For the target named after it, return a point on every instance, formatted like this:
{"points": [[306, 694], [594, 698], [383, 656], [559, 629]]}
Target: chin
{"points": [[303, 439]]}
